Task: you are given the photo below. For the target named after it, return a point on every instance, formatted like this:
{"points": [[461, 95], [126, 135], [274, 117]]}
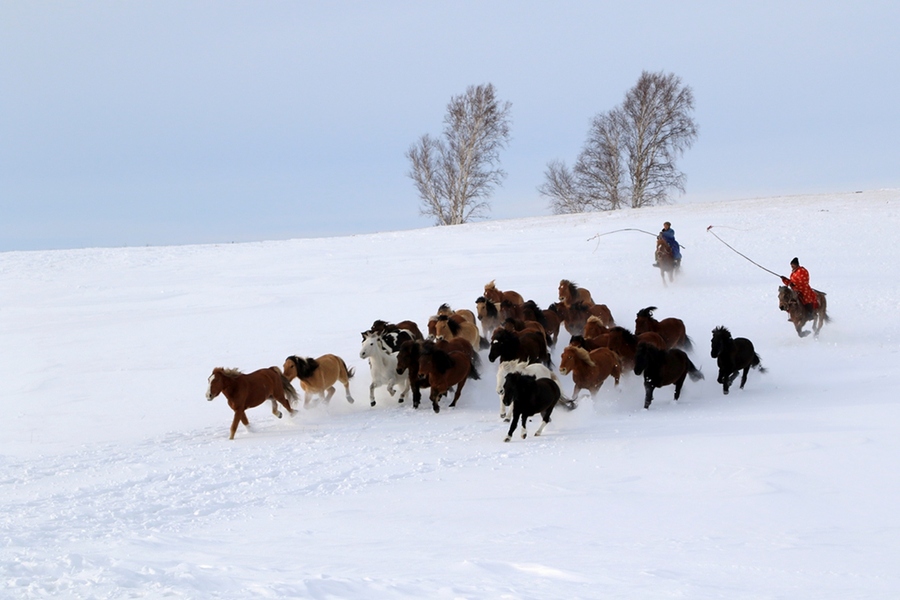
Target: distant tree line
{"points": [[628, 159]]}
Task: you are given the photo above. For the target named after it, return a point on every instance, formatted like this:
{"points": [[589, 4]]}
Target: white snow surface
{"points": [[118, 480]]}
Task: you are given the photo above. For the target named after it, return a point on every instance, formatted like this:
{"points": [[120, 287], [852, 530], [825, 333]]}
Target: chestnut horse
{"points": [[570, 293], [445, 369], [661, 368], [589, 369], [245, 391], [798, 314], [671, 330], [494, 295], [318, 375]]}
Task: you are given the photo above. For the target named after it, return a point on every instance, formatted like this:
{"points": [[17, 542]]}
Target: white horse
{"points": [[520, 366], [383, 366]]}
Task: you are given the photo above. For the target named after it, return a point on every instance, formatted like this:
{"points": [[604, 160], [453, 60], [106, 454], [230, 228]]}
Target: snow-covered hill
{"points": [[118, 480]]}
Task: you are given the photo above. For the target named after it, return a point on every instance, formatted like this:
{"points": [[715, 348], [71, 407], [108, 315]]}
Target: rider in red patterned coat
{"points": [[799, 282]]}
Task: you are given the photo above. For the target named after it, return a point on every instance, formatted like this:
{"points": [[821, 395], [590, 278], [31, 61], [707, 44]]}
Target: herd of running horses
{"points": [[519, 335]]}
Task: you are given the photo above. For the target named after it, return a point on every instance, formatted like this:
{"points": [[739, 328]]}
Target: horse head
{"points": [[219, 380], [645, 358], [720, 338], [786, 297], [372, 345]]}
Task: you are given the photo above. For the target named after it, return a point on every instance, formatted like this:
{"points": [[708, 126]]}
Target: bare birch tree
{"points": [[630, 153], [659, 128], [456, 175]]}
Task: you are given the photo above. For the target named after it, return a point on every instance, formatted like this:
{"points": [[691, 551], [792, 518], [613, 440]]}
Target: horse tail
{"points": [[483, 344], [757, 364], [695, 373], [687, 344], [473, 371], [567, 403], [289, 390], [346, 372]]}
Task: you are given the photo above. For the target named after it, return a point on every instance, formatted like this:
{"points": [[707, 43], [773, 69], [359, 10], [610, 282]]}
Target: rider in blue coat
{"points": [[668, 234]]}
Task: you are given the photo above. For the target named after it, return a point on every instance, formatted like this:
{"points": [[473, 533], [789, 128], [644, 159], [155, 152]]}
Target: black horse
{"points": [[663, 367], [529, 346], [732, 355], [529, 396]]}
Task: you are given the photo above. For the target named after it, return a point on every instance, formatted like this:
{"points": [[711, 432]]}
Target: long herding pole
{"points": [[709, 230]]}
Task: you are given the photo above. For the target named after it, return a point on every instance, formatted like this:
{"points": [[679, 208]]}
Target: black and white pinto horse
{"points": [[663, 367], [382, 357], [537, 370], [733, 355], [528, 396]]}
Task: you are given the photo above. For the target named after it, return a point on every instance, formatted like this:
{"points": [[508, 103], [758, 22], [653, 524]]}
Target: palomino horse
{"points": [[526, 368], [733, 354], [382, 366], [450, 328], [245, 391], [589, 369], [665, 260], [671, 330], [444, 369], [318, 375], [489, 315], [570, 293], [799, 315], [494, 295], [661, 368]]}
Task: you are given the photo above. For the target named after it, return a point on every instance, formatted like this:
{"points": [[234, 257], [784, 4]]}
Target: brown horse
{"points": [[594, 326], [589, 369], [530, 346], [445, 369], [665, 260], [800, 315], [465, 313], [624, 343], [318, 375], [245, 391], [575, 316], [671, 330], [570, 293], [494, 295], [408, 361]]}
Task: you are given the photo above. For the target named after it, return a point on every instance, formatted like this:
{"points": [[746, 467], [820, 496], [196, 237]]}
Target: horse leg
{"points": [[239, 417], [275, 410], [459, 388], [372, 394], [744, 376], [512, 425], [435, 397], [679, 384], [347, 389], [545, 418], [648, 394]]}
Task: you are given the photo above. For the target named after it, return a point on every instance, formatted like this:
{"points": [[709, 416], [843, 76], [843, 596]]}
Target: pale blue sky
{"points": [[135, 123]]}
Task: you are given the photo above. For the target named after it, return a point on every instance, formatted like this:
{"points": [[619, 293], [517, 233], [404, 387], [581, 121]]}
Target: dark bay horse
{"points": [[665, 261], [798, 314], [530, 346], [671, 329], [245, 391], [732, 355], [624, 343], [663, 367]]}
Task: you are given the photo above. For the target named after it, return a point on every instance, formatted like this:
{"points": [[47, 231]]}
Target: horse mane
{"points": [[626, 334], [305, 366], [441, 360], [583, 355], [646, 312], [444, 309], [721, 331], [571, 286], [452, 325], [230, 373], [491, 285]]}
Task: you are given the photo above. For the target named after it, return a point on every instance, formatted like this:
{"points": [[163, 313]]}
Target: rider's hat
{"points": [[795, 261]]}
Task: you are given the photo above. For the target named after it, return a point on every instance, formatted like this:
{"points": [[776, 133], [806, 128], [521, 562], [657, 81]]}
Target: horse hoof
{"points": [[436, 408], [507, 438], [372, 403], [400, 401], [349, 400]]}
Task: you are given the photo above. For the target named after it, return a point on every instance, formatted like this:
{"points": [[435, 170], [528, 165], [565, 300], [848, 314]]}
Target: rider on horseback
{"points": [[668, 235], [799, 282]]}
